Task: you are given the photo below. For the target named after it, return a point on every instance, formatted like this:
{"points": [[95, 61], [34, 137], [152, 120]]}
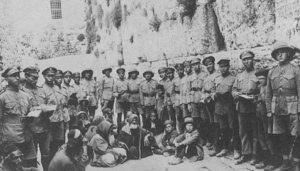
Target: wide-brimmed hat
{"points": [[281, 45], [195, 61], [188, 120], [106, 69], [85, 71], [10, 71], [120, 69], [132, 70], [148, 71], [170, 69], [208, 59], [247, 54], [162, 69]]}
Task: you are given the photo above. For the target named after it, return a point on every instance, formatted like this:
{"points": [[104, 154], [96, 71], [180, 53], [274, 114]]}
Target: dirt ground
{"points": [[160, 163]]}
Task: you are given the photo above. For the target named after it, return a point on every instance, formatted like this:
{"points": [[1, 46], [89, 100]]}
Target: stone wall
{"points": [[155, 31]]}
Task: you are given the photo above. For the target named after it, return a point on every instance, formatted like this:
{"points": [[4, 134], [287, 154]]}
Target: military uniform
{"points": [[147, 95], [176, 103], [169, 99], [134, 96], [246, 84], [185, 94], [120, 91], [14, 106], [106, 85], [89, 87], [68, 90]]}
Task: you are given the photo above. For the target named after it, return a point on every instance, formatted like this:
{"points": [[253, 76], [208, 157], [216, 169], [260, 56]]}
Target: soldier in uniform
{"points": [[185, 90], [169, 97], [197, 105], [59, 78], [162, 75], [89, 87], [76, 82], [56, 102], [15, 104], [224, 105], [133, 89], [147, 94], [120, 92], [282, 101], [209, 104], [106, 85], [176, 96], [246, 84], [40, 126], [66, 87]]}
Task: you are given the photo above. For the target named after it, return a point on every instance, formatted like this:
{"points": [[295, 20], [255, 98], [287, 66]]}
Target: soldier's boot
{"points": [[286, 165], [273, 163]]}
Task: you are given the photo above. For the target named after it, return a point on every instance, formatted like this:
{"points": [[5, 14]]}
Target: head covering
{"points": [[162, 69], [85, 71], [281, 45], [196, 61], [74, 138], [106, 69], [10, 71], [59, 73], [51, 70], [131, 117], [132, 70], [169, 122], [76, 74], [179, 66], [247, 54], [148, 71], [224, 62], [186, 63], [8, 148], [31, 71], [160, 87], [208, 59], [188, 120], [69, 73], [170, 69], [262, 72], [120, 69]]}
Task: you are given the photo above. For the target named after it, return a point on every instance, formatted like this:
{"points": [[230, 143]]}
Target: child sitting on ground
{"points": [[167, 144], [154, 125], [188, 144]]}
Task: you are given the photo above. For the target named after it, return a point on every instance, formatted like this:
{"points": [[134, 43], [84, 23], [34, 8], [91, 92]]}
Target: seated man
{"points": [[72, 156], [139, 141], [167, 144], [12, 159], [188, 144], [107, 151], [154, 125]]}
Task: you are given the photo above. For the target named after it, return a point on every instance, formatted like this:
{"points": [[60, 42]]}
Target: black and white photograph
{"points": [[149, 85]]}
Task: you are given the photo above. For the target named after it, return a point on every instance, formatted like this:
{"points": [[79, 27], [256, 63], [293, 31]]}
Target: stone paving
{"points": [[160, 163]]}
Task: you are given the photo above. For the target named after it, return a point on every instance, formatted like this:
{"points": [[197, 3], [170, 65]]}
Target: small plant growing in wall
{"points": [[155, 22], [116, 14]]}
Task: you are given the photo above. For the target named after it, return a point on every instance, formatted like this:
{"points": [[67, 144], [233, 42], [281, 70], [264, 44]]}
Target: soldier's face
{"points": [[160, 92], [262, 80], [133, 75], [210, 67], [88, 75], [31, 79], [169, 128], [49, 78], [153, 116], [162, 75], [76, 79], [121, 74], [248, 62], [170, 75], [187, 69], [107, 73], [148, 76], [282, 55], [196, 67], [58, 79], [67, 79], [224, 69], [180, 72], [14, 80]]}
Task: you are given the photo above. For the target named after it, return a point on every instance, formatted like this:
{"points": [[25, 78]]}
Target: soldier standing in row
{"points": [[120, 92], [76, 82], [106, 85], [197, 80], [67, 89], [209, 104], [89, 87], [283, 104], [59, 78], [147, 94], [224, 105], [176, 96], [185, 90], [246, 84], [162, 75], [40, 126], [169, 98], [14, 106], [134, 89]]}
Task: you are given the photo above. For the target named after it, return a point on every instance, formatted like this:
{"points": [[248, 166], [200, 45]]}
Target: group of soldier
{"points": [[255, 113]]}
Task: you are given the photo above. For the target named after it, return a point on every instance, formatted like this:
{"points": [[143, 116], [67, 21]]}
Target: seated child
{"points": [[154, 125], [167, 144], [108, 152], [188, 144]]}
